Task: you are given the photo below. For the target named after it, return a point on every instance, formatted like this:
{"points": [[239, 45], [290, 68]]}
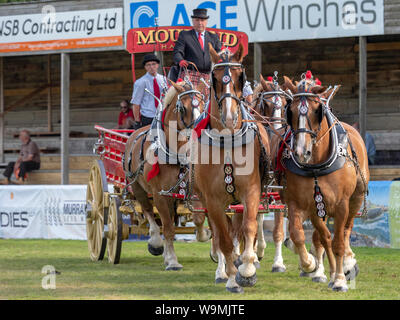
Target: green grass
{"points": [[142, 276]]}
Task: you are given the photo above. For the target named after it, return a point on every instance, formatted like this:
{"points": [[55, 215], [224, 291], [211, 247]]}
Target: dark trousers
{"points": [[145, 121], [24, 167]]}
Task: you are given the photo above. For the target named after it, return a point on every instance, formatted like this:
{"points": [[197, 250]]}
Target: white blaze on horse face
{"points": [[228, 102], [196, 113], [277, 100], [301, 138]]}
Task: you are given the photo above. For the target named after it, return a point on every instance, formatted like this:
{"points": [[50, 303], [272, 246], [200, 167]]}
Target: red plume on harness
{"points": [[308, 75], [317, 82], [270, 79]]}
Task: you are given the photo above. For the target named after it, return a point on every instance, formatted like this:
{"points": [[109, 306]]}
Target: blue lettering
{"points": [[227, 16], [180, 11], [208, 5]]}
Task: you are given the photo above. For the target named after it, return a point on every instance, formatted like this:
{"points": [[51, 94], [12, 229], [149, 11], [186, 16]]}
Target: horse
{"points": [[156, 164], [218, 184], [327, 161], [269, 104]]}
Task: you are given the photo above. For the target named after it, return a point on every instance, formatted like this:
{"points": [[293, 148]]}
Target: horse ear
{"points": [[318, 89], [263, 82], [178, 87], [213, 54], [239, 54], [288, 85], [326, 93]]}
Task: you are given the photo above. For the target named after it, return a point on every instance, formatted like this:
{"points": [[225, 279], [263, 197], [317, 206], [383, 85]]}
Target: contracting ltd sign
{"points": [[51, 30], [266, 20]]}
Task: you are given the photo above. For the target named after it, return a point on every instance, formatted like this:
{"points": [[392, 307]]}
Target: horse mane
{"points": [[171, 93]]}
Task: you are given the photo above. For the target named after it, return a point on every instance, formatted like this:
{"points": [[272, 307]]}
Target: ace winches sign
{"points": [[53, 30]]}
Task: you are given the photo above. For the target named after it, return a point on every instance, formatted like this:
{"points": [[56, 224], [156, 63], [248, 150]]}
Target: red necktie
{"points": [[156, 90], [201, 41]]}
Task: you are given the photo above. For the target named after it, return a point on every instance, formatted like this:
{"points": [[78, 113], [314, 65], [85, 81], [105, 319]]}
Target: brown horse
{"points": [[269, 103], [157, 163], [328, 164], [226, 165]]}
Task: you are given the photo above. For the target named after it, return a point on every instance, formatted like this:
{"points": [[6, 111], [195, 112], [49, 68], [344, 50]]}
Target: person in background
{"points": [[125, 118], [144, 104], [369, 144], [28, 160]]}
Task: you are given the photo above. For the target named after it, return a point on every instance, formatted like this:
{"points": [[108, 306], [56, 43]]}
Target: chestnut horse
{"points": [[155, 164], [226, 163], [328, 163], [269, 104]]}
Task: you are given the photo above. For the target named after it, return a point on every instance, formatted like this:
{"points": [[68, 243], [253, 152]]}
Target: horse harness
{"points": [[338, 151]]}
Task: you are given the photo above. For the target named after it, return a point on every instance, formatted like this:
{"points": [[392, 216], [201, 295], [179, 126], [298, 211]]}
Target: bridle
{"points": [[275, 100], [303, 109], [180, 107], [226, 79]]}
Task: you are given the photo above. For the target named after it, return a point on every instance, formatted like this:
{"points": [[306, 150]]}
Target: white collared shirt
{"points": [[142, 98]]}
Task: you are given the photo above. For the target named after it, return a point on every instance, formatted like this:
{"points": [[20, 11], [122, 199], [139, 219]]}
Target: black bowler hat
{"points": [[200, 13], [150, 57]]}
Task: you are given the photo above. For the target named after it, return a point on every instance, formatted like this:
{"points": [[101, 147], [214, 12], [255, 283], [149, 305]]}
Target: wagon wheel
{"points": [[114, 233], [96, 211]]}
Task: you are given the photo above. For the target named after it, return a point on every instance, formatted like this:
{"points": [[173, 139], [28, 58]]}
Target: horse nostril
{"points": [[308, 153]]}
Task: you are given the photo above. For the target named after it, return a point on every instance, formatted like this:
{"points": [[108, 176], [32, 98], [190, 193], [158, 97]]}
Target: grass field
{"points": [[142, 276]]}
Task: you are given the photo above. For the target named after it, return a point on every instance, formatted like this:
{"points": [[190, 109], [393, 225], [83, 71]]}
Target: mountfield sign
{"points": [[61, 30], [164, 38], [266, 20]]}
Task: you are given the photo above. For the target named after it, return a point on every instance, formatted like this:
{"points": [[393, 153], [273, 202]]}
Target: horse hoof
{"points": [[246, 281], [319, 279], [221, 280], [304, 274], [174, 268], [235, 289], [286, 243], [278, 269], [213, 258], [260, 258], [352, 274], [340, 289], [237, 262], [330, 284], [155, 251], [257, 264]]}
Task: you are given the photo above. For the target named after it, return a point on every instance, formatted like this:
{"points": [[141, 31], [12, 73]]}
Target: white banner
{"points": [[46, 212], [266, 20]]}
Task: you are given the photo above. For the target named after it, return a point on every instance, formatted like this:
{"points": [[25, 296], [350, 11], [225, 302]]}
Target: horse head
{"points": [[228, 78], [306, 114], [270, 100], [189, 103]]}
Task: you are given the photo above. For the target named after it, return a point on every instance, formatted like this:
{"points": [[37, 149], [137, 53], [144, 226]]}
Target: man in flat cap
{"points": [[144, 105], [192, 45]]}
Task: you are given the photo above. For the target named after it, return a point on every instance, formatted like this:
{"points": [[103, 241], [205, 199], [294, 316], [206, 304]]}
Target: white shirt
{"points": [[142, 98], [247, 90]]}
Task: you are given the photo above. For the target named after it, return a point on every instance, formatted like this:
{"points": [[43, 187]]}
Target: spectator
{"points": [[369, 144], [144, 104], [28, 160], [125, 119]]}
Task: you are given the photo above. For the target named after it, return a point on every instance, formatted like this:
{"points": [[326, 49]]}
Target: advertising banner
{"points": [[265, 20], [53, 30]]}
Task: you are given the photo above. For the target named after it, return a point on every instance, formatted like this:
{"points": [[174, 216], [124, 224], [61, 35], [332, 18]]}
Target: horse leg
{"points": [[223, 239], [338, 246], [261, 244], [237, 220], [308, 262], [247, 270], [217, 256], [350, 266], [155, 243], [166, 210], [202, 234], [318, 251], [322, 240], [278, 234]]}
